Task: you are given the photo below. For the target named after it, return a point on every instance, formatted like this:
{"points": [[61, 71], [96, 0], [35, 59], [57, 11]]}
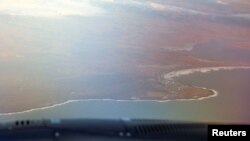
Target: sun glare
{"points": [[48, 8]]}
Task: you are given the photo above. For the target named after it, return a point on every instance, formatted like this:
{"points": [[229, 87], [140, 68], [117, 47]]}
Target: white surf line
{"points": [[84, 100], [215, 93], [132, 100], [170, 75]]}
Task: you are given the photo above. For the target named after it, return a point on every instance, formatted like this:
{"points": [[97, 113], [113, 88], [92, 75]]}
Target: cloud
{"points": [[172, 8], [221, 2], [109, 1], [49, 8], [157, 6]]}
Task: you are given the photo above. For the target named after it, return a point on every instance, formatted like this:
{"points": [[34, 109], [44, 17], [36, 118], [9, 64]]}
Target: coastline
{"points": [[171, 75], [168, 76]]}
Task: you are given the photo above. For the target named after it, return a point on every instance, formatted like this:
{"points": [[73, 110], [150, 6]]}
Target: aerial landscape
{"points": [[56, 51]]}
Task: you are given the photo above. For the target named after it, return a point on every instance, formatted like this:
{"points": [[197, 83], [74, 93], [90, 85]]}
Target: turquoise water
{"points": [[231, 104]]}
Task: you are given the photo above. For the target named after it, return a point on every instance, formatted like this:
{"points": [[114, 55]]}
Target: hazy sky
{"points": [[48, 7], [79, 7]]}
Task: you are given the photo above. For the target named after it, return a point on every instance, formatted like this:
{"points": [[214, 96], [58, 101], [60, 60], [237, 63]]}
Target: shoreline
{"points": [[168, 76], [111, 100], [171, 75]]}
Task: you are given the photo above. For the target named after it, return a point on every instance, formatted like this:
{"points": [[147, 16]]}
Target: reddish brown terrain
{"points": [[122, 54]]}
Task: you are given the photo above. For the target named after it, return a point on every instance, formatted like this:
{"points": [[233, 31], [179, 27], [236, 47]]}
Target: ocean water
{"points": [[229, 106]]}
